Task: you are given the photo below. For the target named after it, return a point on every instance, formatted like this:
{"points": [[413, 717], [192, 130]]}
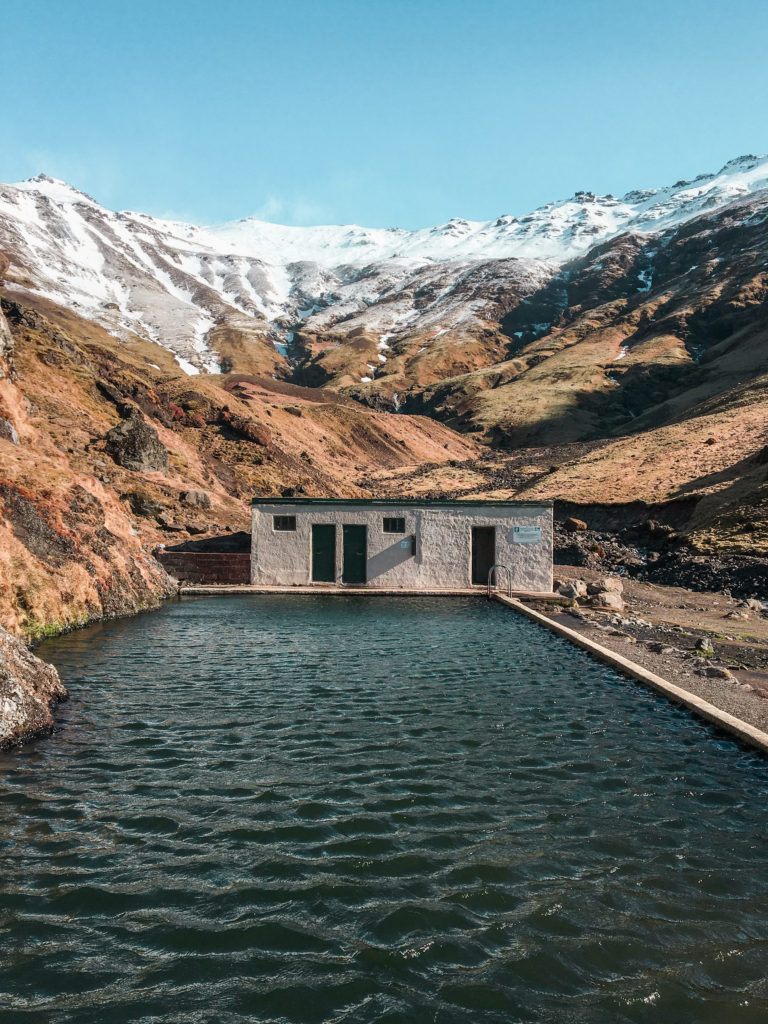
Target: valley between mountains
{"points": [[608, 353]]}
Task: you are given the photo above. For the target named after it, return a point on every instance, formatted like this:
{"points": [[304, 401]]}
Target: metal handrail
{"points": [[494, 568]]}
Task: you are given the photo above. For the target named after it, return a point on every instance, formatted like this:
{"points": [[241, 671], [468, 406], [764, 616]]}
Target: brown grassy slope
{"points": [[77, 529], [716, 453], [67, 549], [620, 356], [339, 362]]}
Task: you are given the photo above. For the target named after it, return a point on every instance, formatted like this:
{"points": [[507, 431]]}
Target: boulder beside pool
{"points": [[603, 593], [28, 690]]}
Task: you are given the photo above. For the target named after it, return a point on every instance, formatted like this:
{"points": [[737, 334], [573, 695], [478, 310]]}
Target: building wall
{"points": [[442, 549]]}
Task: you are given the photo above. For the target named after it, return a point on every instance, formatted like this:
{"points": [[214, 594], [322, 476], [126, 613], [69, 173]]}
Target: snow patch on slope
{"points": [[175, 282]]}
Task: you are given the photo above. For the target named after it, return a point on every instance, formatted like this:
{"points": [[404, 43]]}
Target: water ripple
{"points": [[380, 810]]}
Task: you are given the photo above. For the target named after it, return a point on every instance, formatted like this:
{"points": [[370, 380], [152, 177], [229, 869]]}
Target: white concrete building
{"points": [[412, 544]]}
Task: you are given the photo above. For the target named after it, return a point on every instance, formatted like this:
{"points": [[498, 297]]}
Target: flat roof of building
{"points": [[403, 502]]}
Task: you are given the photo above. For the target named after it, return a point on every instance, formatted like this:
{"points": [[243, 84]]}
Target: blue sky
{"points": [[381, 113]]}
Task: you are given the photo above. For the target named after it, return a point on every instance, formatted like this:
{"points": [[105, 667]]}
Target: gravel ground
{"points": [[659, 629]]}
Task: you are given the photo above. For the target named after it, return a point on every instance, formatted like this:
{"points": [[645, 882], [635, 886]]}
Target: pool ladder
{"points": [[495, 569]]}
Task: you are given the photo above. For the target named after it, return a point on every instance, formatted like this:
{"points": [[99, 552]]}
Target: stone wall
{"points": [[231, 568]]}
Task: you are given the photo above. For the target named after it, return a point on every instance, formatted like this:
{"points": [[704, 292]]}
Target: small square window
{"points": [[394, 525], [283, 523]]}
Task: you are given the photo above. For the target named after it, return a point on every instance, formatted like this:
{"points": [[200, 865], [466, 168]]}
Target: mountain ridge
{"points": [[235, 296], [652, 206], [627, 383]]}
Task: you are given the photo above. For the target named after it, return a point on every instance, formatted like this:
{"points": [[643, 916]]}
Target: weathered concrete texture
{"points": [[28, 689], [439, 557], [331, 590]]}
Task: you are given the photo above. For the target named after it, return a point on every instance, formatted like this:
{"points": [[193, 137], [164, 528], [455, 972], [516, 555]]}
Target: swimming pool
{"points": [[311, 809]]}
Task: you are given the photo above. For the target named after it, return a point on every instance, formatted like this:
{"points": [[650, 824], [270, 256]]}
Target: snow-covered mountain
{"points": [[557, 231], [185, 286]]}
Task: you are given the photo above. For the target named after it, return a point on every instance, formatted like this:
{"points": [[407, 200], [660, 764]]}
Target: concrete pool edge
{"points": [[745, 732], [214, 590]]}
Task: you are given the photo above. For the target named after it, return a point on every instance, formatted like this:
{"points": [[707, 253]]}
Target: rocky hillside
{"points": [[412, 306], [626, 338], [703, 476], [107, 449], [607, 353]]}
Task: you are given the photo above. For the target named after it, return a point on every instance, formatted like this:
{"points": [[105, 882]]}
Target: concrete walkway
{"points": [[704, 709], [340, 591]]}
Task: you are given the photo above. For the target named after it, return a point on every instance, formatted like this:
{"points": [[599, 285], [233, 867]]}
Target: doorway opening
{"points": [[483, 552]]}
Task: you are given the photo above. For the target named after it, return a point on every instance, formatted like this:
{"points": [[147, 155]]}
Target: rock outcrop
{"points": [[8, 432], [6, 347], [573, 525], [602, 593], [134, 443], [28, 689], [6, 338], [608, 599], [573, 589], [197, 499]]}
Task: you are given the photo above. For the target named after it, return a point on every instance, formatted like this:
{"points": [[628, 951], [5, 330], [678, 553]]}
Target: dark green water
{"points": [[377, 809]]}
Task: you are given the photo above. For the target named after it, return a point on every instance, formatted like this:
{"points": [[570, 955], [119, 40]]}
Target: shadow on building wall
{"points": [[387, 559]]}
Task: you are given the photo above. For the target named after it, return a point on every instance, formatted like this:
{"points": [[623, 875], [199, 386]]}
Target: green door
{"points": [[355, 553], [323, 553]]}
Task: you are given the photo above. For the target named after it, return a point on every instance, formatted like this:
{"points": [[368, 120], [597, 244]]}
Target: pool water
{"points": [[327, 809]]}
